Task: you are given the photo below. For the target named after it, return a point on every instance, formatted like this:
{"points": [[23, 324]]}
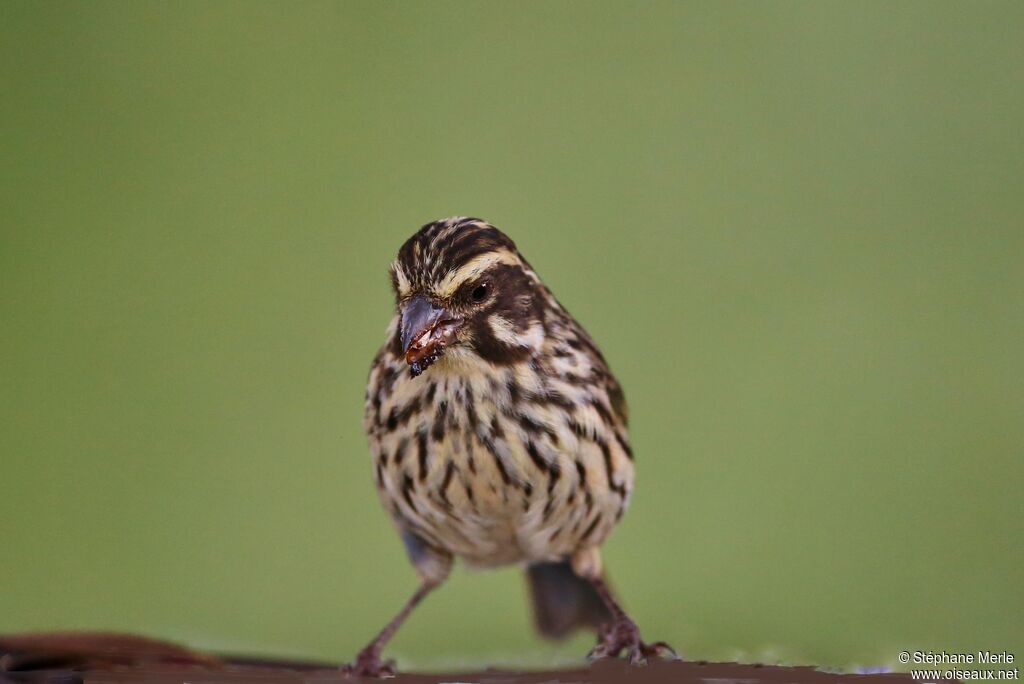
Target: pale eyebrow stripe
{"points": [[402, 280], [471, 269]]}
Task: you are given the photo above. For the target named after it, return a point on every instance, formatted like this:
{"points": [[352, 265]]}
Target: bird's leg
{"points": [[368, 662], [622, 634]]}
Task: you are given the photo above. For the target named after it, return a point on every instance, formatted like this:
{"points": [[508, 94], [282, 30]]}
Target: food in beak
{"points": [[427, 347], [426, 329]]}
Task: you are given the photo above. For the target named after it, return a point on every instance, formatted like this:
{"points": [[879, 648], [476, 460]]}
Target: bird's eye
{"points": [[480, 293]]}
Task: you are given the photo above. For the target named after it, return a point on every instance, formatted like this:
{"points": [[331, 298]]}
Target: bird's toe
{"points": [[369, 664]]}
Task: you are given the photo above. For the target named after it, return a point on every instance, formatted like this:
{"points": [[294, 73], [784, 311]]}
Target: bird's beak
{"points": [[426, 330]]}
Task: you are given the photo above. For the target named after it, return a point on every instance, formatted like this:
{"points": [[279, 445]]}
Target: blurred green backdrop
{"points": [[796, 229]]}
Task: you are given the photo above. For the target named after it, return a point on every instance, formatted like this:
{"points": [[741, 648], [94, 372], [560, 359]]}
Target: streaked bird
{"points": [[498, 435]]}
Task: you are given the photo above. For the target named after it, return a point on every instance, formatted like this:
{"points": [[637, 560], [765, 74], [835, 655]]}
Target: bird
{"points": [[499, 436]]}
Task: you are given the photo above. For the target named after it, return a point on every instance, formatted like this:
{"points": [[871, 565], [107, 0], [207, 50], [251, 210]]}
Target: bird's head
{"points": [[462, 288]]}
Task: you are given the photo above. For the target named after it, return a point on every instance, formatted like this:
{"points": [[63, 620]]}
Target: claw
{"points": [[660, 647], [624, 635], [369, 664]]}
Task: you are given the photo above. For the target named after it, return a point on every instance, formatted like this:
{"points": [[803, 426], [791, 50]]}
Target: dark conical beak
{"points": [[418, 316], [426, 330]]}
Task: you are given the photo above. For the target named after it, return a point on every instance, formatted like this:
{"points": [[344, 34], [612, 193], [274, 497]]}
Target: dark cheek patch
{"points": [[515, 301]]}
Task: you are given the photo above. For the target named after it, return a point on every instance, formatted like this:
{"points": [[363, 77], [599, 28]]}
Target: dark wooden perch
{"points": [[79, 657]]}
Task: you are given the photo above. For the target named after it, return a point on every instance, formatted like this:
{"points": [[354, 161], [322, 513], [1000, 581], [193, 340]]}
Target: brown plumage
{"points": [[498, 432]]}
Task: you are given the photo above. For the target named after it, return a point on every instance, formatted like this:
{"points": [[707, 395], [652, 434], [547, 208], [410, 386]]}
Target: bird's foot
{"points": [[623, 635], [369, 664]]}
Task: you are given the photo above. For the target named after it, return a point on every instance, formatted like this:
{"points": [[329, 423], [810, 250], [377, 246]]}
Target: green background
{"points": [[796, 229]]}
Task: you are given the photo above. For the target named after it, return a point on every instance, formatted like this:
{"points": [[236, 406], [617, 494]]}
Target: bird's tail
{"points": [[563, 601]]}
